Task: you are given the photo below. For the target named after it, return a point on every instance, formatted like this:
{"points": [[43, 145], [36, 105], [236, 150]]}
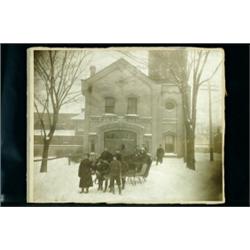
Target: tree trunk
{"points": [[185, 146], [190, 148], [190, 127], [46, 143], [45, 154]]}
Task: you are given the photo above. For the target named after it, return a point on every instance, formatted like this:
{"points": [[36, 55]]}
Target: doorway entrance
{"points": [[170, 144], [115, 138]]}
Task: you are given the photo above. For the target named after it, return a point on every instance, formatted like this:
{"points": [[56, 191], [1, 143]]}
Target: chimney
{"points": [[92, 70]]}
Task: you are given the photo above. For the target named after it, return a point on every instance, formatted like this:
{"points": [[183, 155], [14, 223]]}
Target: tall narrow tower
{"points": [[163, 67], [163, 62]]}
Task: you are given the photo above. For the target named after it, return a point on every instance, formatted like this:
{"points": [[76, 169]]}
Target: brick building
{"points": [[67, 138], [125, 106]]}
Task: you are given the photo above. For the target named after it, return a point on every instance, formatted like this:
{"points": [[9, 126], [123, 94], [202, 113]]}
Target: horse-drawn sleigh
{"points": [[134, 168]]}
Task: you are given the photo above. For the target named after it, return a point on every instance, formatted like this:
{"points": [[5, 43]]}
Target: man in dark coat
{"points": [[84, 173], [106, 156], [118, 155], [115, 175], [159, 154], [141, 158]]}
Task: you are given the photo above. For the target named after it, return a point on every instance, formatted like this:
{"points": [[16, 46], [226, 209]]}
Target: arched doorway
{"points": [[115, 138], [169, 142]]}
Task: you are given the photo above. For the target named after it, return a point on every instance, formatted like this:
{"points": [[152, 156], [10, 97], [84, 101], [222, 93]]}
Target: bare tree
{"points": [[56, 72], [188, 77], [191, 78]]}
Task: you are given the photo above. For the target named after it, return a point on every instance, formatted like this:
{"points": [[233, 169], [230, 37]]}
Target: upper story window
{"points": [[132, 105], [109, 105]]}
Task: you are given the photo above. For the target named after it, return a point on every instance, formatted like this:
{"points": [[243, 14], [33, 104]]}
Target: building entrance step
{"points": [[171, 155]]}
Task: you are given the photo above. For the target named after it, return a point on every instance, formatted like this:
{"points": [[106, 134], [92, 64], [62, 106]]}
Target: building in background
{"points": [[67, 139], [135, 104], [123, 106]]}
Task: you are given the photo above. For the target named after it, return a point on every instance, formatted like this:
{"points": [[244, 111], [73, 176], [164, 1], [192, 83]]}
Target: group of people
{"points": [[111, 169]]}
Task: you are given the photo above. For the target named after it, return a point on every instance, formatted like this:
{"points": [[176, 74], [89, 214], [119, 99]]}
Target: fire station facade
{"points": [[125, 106]]}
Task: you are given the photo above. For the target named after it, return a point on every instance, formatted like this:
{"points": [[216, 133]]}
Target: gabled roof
{"points": [[120, 64]]}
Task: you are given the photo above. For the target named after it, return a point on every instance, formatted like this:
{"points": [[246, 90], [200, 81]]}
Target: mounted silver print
{"points": [[139, 125]]}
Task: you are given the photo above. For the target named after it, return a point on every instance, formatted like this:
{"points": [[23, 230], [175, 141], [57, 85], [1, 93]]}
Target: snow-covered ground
{"points": [[170, 182]]}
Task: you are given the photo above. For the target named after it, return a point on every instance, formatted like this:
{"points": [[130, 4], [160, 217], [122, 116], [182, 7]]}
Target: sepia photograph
{"points": [[131, 116], [126, 125]]}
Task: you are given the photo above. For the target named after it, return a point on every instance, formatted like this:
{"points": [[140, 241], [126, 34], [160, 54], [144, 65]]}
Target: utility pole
{"points": [[211, 144]]}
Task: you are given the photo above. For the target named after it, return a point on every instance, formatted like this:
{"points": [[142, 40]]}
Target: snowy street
{"points": [[170, 182]]}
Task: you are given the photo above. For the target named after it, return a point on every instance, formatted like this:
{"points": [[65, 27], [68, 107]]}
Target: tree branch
{"points": [[202, 67], [211, 76], [40, 119], [72, 99]]}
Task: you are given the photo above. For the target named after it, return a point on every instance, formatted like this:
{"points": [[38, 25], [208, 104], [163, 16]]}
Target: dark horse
{"points": [[102, 173]]}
